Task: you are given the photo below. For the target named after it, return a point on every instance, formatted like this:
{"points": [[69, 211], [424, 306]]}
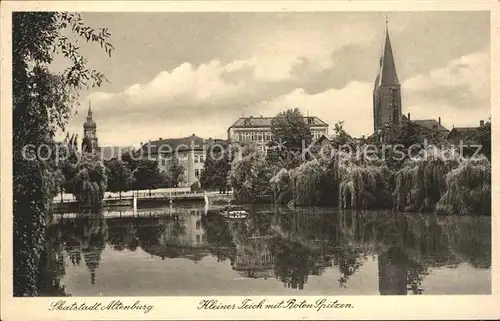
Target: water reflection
{"points": [[69, 241], [279, 243]]}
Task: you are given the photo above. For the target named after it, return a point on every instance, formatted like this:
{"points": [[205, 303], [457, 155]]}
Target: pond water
{"points": [[273, 251]]}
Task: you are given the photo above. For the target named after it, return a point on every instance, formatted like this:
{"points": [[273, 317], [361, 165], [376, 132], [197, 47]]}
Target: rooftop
{"points": [[429, 124], [463, 133], [246, 122], [387, 75], [179, 144]]}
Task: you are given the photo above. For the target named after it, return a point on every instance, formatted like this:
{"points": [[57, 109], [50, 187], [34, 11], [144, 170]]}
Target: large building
{"points": [[258, 129], [188, 152], [387, 103]]}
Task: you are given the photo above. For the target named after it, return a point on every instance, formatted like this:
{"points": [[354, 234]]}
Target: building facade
{"points": [[89, 142], [258, 129], [188, 152]]}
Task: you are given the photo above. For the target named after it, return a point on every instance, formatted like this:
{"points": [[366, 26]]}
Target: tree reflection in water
{"points": [[304, 242], [69, 241], [289, 245]]}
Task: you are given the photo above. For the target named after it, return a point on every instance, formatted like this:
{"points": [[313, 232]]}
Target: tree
{"points": [[129, 159], [216, 168], [290, 129], [250, 176], [164, 180], [483, 136], [291, 134], [90, 184], [341, 136], [67, 162], [120, 178], [410, 134], [177, 175], [210, 167], [42, 103], [147, 175], [410, 139]]}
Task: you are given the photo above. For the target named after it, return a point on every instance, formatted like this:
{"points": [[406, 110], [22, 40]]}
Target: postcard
{"points": [[249, 160]]}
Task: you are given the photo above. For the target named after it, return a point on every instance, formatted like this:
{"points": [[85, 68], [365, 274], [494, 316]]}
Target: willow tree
{"points": [[306, 182], [281, 186], [468, 188], [421, 182], [90, 185], [364, 186], [42, 103]]}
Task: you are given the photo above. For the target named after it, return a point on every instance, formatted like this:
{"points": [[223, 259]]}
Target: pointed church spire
{"points": [[90, 110], [388, 75]]}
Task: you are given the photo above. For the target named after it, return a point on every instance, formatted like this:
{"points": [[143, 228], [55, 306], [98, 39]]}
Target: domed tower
{"points": [[89, 143]]}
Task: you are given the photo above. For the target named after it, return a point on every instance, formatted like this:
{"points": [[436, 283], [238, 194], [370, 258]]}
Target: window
{"points": [[198, 225], [197, 172], [197, 239], [196, 159]]}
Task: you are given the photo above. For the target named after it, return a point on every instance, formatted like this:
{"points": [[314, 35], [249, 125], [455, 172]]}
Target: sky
{"points": [[176, 74]]}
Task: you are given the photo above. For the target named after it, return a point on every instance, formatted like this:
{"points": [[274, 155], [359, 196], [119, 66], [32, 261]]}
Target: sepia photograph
{"points": [[218, 154]]}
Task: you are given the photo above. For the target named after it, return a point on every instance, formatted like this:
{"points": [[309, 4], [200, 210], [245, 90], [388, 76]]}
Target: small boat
{"points": [[234, 212]]}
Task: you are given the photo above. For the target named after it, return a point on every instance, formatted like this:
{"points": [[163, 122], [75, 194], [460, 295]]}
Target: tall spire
{"points": [[388, 75], [90, 110]]}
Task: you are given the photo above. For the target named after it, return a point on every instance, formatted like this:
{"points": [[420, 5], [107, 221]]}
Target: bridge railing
{"points": [[144, 194]]}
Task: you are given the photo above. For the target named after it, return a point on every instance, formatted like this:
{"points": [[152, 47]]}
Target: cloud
{"points": [[450, 117], [351, 104], [206, 99], [463, 82], [187, 94], [183, 84]]}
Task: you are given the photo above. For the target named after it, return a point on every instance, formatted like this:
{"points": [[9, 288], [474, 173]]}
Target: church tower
{"points": [[387, 90], [89, 143]]}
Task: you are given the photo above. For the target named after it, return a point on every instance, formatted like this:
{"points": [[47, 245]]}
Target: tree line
{"points": [[436, 177], [123, 174]]}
